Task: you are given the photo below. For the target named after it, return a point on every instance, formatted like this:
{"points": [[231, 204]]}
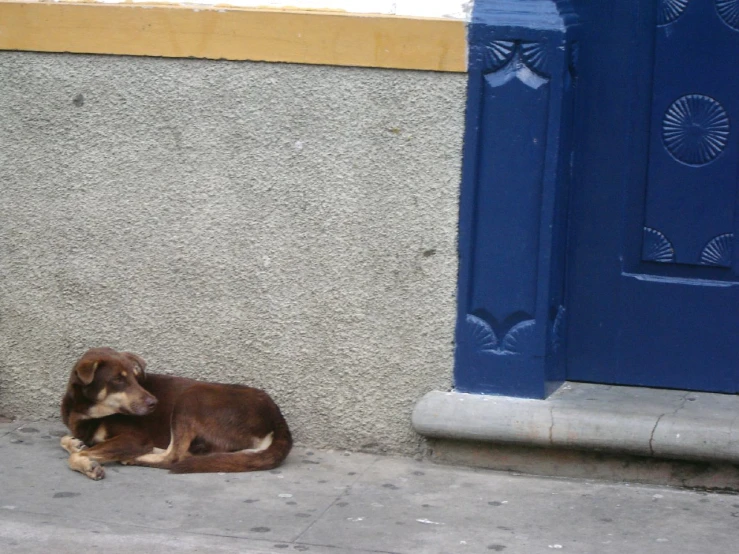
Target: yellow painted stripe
{"points": [[236, 34]]}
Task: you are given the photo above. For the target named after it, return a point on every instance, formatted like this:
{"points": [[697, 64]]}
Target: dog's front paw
{"points": [[71, 444], [81, 462], [95, 471]]}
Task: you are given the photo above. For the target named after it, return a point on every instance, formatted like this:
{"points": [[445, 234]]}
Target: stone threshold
{"points": [[656, 423]]}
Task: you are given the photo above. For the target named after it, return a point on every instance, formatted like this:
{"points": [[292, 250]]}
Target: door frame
{"points": [[510, 337]]}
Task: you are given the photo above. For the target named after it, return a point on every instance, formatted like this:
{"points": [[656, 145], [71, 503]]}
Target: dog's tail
{"points": [[234, 462]]}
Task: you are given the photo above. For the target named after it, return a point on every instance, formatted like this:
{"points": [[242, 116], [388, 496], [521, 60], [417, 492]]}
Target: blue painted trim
{"points": [[511, 314]]}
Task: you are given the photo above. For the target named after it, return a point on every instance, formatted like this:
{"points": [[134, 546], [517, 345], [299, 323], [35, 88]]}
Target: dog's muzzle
{"points": [[145, 407]]}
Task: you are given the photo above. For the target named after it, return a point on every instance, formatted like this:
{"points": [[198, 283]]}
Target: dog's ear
{"points": [[85, 370], [140, 364]]}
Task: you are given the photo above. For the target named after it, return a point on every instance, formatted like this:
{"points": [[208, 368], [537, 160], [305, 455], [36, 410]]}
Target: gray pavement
{"points": [[332, 502]]}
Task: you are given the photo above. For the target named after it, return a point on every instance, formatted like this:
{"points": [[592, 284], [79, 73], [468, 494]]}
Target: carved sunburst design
{"points": [[729, 12], [482, 335], [485, 341], [506, 60], [516, 341], [695, 129], [499, 53], [656, 247], [669, 10], [718, 251], [535, 55]]}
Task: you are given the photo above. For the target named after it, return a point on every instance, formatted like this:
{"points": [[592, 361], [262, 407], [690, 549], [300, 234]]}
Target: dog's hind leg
{"points": [[178, 449]]}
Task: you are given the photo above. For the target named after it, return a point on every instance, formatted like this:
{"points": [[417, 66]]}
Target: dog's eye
{"points": [[119, 380]]}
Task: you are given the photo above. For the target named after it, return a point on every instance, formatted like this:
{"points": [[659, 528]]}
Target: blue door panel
{"points": [[694, 153], [653, 286], [659, 339]]}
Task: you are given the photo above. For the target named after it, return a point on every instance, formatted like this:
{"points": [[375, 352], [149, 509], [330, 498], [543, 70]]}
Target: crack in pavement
{"points": [[174, 532], [651, 436], [551, 427], [9, 431], [683, 401], [272, 541], [344, 494]]}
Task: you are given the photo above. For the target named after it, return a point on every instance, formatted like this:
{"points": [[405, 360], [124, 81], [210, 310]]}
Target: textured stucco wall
{"points": [[290, 227]]}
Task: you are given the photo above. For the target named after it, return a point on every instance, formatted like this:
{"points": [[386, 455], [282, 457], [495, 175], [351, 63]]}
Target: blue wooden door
{"points": [[653, 267]]}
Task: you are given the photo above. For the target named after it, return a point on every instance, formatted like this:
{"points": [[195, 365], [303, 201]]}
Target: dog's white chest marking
{"points": [[100, 434], [261, 444]]}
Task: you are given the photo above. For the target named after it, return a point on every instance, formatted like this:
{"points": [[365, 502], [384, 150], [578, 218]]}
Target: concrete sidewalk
{"points": [[333, 502]]}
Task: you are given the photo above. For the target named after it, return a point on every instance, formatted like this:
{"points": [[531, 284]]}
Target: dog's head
{"points": [[111, 382]]}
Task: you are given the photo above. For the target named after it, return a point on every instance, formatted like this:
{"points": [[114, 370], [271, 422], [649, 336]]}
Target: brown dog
{"points": [[118, 413]]}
